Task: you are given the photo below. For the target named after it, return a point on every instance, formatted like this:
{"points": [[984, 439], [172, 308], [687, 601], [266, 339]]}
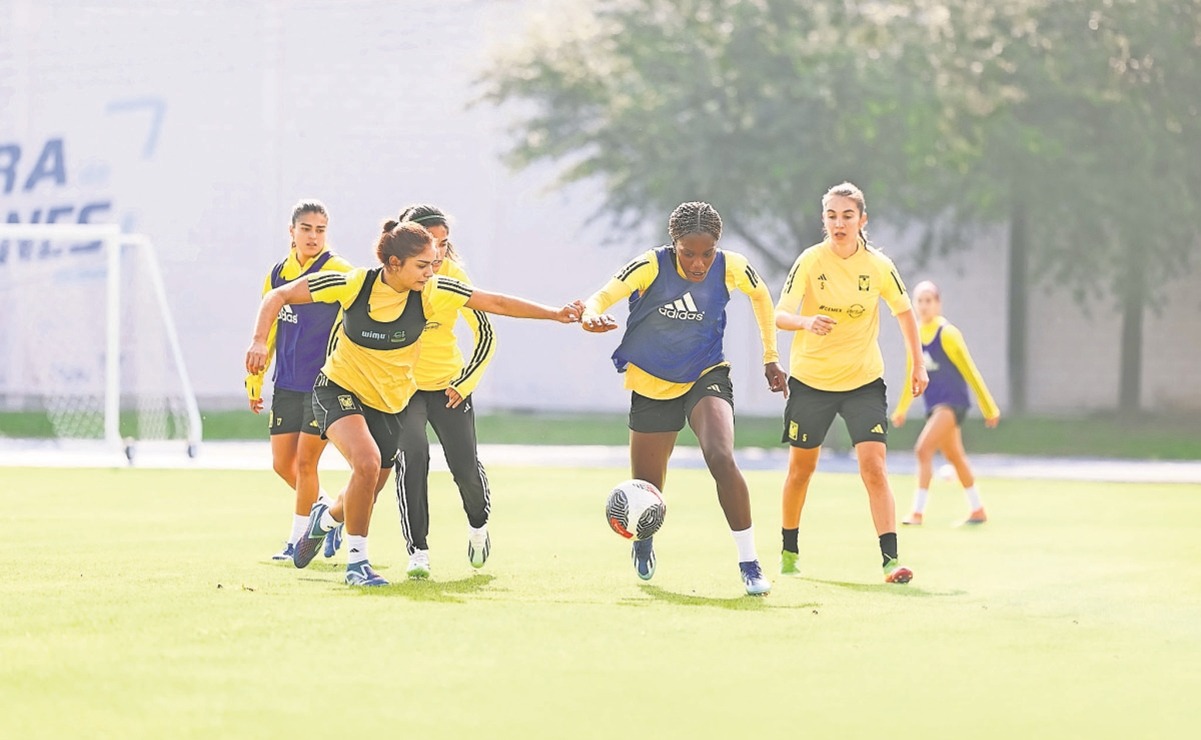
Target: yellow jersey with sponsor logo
{"points": [[383, 379], [849, 291], [639, 273], [442, 364]]}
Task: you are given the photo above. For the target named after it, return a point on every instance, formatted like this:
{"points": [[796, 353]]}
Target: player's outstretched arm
{"points": [[520, 308]]}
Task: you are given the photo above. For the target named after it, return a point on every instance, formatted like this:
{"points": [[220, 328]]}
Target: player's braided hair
{"points": [[694, 217], [402, 241], [308, 206], [428, 216], [852, 191]]}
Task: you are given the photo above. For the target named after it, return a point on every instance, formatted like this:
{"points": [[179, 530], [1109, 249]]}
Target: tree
{"points": [[1056, 118]]}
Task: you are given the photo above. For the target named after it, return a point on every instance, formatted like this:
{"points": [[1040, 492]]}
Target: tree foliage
{"points": [[1079, 117]]}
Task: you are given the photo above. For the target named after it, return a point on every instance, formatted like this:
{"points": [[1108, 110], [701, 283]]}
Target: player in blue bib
{"points": [[671, 355]]}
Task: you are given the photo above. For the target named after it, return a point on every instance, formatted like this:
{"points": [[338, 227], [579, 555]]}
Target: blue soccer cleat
{"points": [[362, 574], [310, 541], [333, 541], [752, 577], [286, 553], [643, 553]]}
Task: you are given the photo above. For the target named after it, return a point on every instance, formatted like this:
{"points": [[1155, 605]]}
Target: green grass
{"points": [[1164, 437], [1142, 436], [141, 603]]}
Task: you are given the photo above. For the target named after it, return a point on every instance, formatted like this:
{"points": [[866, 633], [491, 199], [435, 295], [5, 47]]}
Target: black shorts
{"points": [[332, 402], [292, 412], [959, 411], [651, 415], [810, 412]]}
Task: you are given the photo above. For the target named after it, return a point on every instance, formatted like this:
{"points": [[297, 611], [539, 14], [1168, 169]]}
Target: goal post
{"points": [[88, 345]]}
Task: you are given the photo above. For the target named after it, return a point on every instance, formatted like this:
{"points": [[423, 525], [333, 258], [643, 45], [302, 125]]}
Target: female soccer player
{"points": [[367, 379], [672, 358], [443, 400], [831, 300], [298, 337], [951, 372]]}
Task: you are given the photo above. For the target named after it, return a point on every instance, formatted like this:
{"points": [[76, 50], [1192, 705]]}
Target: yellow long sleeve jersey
{"points": [[442, 364], [942, 340]]}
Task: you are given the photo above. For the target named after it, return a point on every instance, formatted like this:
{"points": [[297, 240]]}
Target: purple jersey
{"points": [[947, 385], [301, 335], [676, 326]]}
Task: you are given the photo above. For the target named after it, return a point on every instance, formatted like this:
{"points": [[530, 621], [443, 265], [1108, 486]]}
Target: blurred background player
{"points": [[368, 376], [298, 338], [445, 382], [831, 298], [674, 365], [951, 372]]}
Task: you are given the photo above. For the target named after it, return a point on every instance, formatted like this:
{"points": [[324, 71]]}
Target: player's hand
{"points": [[599, 324], [571, 313], [898, 420], [919, 380], [453, 399], [821, 324], [256, 357], [256, 405], [777, 379], [993, 422]]}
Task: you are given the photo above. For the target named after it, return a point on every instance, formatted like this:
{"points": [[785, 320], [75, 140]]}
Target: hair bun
{"points": [[390, 224]]}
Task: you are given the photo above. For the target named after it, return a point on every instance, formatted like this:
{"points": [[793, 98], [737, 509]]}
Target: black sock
{"points": [[888, 546], [790, 543]]}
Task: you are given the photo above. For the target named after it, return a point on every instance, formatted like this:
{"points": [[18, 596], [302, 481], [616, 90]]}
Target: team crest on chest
{"points": [[865, 283]]}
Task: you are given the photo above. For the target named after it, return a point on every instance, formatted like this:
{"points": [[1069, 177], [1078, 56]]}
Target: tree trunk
{"points": [[1018, 308], [1130, 378]]}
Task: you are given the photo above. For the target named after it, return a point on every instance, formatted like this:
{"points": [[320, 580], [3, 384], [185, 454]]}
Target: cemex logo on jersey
{"points": [[683, 308]]}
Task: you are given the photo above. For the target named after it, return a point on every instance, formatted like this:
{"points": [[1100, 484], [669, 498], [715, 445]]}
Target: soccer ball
{"points": [[635, 509]]}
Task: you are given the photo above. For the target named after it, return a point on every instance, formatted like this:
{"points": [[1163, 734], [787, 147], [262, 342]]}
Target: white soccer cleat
{"points": [[478, 545], [419, 565]]}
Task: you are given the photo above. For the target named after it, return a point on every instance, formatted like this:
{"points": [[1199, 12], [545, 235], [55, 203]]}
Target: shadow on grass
{"points": [[895, 589], [733, 603], [317, 566], [430, 591]]}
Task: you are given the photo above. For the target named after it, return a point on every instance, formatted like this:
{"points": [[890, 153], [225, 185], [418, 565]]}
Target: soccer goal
{"points": [[88, 348]]}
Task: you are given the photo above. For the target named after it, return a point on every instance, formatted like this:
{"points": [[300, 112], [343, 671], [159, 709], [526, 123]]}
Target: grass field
{"points": [[1140, 436], [139, 603]]}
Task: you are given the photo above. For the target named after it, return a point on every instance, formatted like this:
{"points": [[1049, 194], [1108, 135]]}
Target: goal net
{"points": [[88, 348]]}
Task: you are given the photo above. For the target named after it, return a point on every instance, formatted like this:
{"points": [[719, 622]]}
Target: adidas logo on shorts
{"points": [[683, 308]]}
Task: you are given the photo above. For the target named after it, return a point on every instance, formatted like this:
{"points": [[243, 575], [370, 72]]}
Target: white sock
{"points": [[299, 525], [356, 548], [327, 521], [919, 500], [324, 497], [973, 498], [745, 541]]}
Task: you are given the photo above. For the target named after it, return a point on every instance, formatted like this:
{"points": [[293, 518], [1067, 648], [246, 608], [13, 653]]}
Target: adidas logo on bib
{"points": [[683, 308]]}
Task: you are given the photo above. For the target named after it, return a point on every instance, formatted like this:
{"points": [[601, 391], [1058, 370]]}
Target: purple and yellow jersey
{"points": [[668, 312], [381, 376], [298, 337], [442, 363], [951, 371], [849, 291], [676, 326]]}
